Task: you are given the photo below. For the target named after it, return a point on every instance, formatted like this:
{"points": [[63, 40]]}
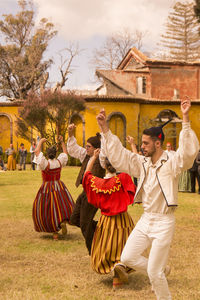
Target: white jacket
{"points": [[168, 170]]}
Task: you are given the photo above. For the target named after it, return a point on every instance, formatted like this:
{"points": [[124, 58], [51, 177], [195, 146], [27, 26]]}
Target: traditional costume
{"points": [[11, 159], [112, 195], [158, 191], [83, 213], [53, 203]]}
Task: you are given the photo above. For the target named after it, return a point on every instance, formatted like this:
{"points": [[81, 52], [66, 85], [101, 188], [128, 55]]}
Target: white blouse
{"points": [[53, 163]]}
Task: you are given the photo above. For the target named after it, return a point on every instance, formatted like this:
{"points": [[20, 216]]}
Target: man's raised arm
{"points": [[121, 159]]}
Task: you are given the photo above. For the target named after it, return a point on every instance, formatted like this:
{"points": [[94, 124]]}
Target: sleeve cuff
{"points": [[71, 139], [107, 134], [186, 125]]}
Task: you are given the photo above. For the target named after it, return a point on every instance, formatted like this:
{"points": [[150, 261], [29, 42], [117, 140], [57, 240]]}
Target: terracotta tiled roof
{"points": [[13, 103], [140, 57], [132, 99], [133, 52]]}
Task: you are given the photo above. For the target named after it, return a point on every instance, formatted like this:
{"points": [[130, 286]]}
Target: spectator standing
{"points": [[194, 174], [32, 151], [22, 157], [11, 158], [198, 161], [2, 166], [169, 150]]}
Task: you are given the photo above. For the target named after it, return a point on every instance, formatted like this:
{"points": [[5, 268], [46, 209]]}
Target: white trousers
{"points": [[155, 230]]}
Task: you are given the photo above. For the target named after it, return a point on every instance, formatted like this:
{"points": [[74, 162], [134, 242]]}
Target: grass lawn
{"points": [[33, 266]]}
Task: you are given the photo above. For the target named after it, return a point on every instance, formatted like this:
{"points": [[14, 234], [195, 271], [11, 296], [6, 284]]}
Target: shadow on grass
{"points": [[136, 282], [68, 237]]}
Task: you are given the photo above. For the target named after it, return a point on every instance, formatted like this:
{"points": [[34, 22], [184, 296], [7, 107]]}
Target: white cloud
{"points": [[82, 19], [89, 21]]}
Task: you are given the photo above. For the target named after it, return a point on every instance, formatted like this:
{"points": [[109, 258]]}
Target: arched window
{"points": [[80, 128], [117, 124], [6, 130]]}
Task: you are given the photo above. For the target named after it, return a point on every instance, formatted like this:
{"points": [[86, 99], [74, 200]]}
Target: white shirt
{"points": [[79, 152], [53, 163], [155, 189], [152, 197], [75, 150], [170, 152]]}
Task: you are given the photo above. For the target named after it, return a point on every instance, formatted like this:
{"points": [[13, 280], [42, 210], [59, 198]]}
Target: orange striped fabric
{"points": [[109, 240]]}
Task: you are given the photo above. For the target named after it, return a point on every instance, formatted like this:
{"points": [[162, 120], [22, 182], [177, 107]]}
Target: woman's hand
{"points": [[130, 140], [71, 129], [43, 140], [96, 153], [60, 138]]}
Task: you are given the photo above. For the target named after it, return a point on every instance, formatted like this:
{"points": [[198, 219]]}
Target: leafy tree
{"points": [[181, 40], [116, 47], [22, 68], [48, 114]]}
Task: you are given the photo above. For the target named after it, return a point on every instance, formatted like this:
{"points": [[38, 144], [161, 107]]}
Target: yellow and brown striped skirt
{"points": [[109, 240]]}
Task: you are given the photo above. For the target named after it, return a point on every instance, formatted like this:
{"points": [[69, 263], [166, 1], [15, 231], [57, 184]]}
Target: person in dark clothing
{"points": [[2, 166], [22, 157], [198, 162], [83, 213], [194, 174]]}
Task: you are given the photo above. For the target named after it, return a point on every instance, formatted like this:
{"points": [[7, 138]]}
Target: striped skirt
{"points": [[109, 240], [52, 205]]}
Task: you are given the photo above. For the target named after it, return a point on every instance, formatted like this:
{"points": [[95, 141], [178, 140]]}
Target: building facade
{"points": [[140, 93]]}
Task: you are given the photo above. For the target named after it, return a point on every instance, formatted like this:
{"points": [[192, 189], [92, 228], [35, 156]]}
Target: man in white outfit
{"points": [[169, 150], [157, 190]]}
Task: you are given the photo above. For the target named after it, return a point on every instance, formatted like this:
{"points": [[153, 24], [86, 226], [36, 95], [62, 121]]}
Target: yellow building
{"points": [[126, 116], [139, 94], [8, 116]]}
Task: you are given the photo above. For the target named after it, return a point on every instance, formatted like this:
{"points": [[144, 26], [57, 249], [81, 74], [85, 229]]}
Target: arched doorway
{"points": [[79, 122], [117, 124], [173, 129], [6, 130]]}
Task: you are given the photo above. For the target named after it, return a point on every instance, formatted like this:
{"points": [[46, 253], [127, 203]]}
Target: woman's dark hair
{"points": [[95, 141], [51, 152], [109, 167]]}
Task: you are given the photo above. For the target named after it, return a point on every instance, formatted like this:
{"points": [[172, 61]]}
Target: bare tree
{"points": [[67, 56], [115, 48]]}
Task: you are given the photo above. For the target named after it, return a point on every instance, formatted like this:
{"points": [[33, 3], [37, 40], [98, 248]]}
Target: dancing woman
{"points": [[112, 195], [53, 204]]}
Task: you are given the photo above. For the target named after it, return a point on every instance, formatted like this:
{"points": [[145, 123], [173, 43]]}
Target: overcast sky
{"points": [[90, 21]]}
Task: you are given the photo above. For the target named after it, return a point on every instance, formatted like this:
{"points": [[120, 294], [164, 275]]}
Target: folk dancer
{"points": [[157, 190], [83, 213], [53, 204], [112, 195]]}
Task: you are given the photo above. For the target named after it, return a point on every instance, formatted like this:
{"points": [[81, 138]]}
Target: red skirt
{"points": [[52, 205]]}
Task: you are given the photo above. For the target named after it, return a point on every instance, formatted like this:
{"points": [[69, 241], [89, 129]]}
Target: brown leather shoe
{"points": [[120, 272]]}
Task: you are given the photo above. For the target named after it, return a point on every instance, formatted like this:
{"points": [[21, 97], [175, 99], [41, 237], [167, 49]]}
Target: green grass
{"points": [[33, 266]]}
